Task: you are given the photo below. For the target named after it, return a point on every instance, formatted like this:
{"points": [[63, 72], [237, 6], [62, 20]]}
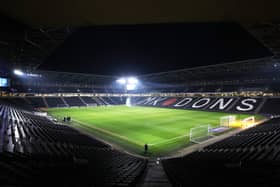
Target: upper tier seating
{"points": [[271, 106], [34, 151]]}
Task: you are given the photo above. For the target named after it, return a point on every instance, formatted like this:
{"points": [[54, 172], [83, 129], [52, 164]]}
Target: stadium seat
{"points": [[37, 152], [239, 156]]}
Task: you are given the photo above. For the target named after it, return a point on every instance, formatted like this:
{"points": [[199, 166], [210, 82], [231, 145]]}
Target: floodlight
{"points": [[18, 72], [130, 87], [121, 81], [129, 83], [132, 80]]}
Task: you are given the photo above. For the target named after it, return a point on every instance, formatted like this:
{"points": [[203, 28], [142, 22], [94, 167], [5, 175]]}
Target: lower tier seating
{"points": [[36, 102], [74, 101], [34, 151], [55, 102], [42, 102], [250, 157], [89, 101]]}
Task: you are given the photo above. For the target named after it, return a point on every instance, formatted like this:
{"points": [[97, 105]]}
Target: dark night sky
{"points": [[141, 49]]}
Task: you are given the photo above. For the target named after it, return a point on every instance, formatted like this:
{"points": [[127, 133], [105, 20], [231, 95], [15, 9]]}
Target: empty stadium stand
{"points": [[208, 103], [250, 157], [56, 102], [271, 106], [43, 102], [18, 101], [114, 100], [34, 151], [261, 105], [37, 102], [34, 147], [89, 100], [74, 101]]}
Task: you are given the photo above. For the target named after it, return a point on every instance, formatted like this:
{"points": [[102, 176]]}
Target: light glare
{"points": [[130, 87], [129, 83], [121, 81], [132, 80], [18, 72]]}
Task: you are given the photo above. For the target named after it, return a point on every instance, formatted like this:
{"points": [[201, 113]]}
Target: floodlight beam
{"points": [[132, 80], [121, 81], [18, 72]]}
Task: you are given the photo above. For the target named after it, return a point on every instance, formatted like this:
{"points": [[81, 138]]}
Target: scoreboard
{"points": [[4, 82]]}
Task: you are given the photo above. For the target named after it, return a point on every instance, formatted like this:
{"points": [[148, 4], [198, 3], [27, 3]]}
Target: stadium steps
{"points": [[104, 101], [261, 105], [63, 100], [97, 101], [45, 102], [109, 100], [89, 101], [154, 175], [83, 101], [55, 102], [74, 101]]}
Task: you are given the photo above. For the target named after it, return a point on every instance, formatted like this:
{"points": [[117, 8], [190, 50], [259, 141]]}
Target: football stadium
{"points": [[139, 94]]}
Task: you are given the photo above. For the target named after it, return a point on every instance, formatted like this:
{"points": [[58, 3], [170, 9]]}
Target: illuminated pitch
{"points": [[165, 130]]}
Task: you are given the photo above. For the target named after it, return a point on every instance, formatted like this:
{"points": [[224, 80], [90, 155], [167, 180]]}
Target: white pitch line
{"points": [[168, 140], [125, 138], [107, 132]]}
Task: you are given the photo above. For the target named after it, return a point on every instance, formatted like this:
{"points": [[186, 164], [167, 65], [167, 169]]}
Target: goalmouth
{"points": [[248, 122], [227, 121], [201, 133]]}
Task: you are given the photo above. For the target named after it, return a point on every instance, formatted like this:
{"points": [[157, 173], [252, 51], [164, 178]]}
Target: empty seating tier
{"points": [[250, 157], [34, 151], [74, 101], [55, 102]]}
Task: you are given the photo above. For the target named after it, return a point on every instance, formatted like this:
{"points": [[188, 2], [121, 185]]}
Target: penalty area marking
{"points": [[125, 138], [168, 140]]}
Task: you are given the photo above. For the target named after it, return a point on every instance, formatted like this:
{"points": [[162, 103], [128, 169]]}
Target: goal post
{"points": [[248, 122], [227, 121], [198, 134]]}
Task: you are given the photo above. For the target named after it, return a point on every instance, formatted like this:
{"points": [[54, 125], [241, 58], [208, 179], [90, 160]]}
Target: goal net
{"points": [[200, 133], [248, 122], [227, 121]]}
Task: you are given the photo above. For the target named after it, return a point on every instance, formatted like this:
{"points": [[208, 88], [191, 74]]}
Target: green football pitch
{"points": [[164, 130]]}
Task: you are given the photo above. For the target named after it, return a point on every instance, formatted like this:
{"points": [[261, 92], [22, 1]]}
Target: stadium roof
{"points": [[49, 20], [142, 49], [100, 12]]}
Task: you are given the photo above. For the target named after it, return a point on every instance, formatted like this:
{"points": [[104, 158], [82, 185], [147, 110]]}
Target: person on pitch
{"points": [[146, 148]]}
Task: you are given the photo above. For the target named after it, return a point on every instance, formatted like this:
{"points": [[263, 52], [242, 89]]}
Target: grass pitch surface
{"points": [[164, 130]]}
